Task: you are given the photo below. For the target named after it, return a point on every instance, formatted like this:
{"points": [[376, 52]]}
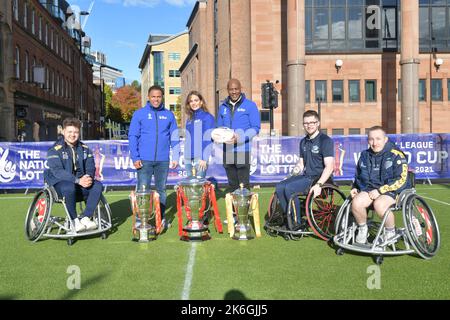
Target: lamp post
{"points": [[82, 109], [102, 106]]}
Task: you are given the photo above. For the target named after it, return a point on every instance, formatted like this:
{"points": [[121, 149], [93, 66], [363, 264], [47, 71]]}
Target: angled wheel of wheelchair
{"points": [[102, 215], [421, 227], [322, 211], [38, 215], [274, 214], [295, 220]]}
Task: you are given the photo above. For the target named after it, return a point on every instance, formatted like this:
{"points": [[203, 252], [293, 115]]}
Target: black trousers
{"points": [[237, 167]]}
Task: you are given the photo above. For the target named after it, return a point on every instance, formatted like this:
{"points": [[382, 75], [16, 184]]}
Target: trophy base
{"points": [[144, 235], [242, 233], [195, 231], [195, 237]]}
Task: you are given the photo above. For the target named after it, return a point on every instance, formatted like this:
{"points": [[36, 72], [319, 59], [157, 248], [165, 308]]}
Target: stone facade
{"points": [[274, 50]]}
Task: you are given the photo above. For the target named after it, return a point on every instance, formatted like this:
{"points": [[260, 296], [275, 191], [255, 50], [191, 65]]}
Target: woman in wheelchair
{"points": [[381, 175], [71, 171]]}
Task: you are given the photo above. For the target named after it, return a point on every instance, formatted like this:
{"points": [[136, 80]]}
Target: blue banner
{"points": [[22, 164]]}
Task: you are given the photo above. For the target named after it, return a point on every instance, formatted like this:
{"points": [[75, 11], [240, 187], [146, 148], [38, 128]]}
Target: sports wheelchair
{"points": [[40, 223], [419, 234], [318, 218]]}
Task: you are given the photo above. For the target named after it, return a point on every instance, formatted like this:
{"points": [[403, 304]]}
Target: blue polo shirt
{"points": [[313, 151]]}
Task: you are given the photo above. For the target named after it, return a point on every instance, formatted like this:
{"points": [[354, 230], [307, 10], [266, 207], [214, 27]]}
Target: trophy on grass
{"points": [[197, 196], [242, 207], [146, 214]]}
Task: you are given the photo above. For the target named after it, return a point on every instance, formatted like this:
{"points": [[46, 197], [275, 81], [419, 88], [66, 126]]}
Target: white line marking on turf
{"points": [[438, 201], [189, 272]]}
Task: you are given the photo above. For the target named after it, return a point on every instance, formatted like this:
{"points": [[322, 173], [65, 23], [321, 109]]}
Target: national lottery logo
{"points": [[7, 168]]}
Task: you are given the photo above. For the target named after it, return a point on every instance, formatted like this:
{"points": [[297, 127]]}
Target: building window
{"points": [[47, 79], [174, 90], [46, 34], [351, 26], [338, 90], [158, 68], [436, 89], [371, 90], [25, 15], [33, 29], [353, 91], [17, 69], [51, 38], [27, 67], [338, 132], [321, 90], [15, 5], [40, 28], [174, 56], [434, 25], [422, 90], [354, 131], [307, 91], [56, 43], [174, 73], [324, 131]]}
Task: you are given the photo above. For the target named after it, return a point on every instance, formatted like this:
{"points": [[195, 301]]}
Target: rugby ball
{"points": [[222, 134]]}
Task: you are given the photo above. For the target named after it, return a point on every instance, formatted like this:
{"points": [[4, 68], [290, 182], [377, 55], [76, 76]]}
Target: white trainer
{"points": [[361, 237], [388, 234], [79, 226], [90, 225]]}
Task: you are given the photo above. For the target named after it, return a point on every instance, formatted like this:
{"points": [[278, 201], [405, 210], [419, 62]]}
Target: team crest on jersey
{"points": [[65, 156], [150, 116], [315, 149]]}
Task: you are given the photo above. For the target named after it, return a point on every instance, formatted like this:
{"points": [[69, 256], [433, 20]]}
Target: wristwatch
{"points": [[320, 184]]}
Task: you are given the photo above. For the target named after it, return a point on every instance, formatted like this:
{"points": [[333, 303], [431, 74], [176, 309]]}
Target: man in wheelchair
{"points": [[381, 175], [314, 168], [71, 171]]}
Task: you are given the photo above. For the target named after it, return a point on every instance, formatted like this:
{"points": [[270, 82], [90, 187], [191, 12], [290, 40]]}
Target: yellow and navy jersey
{"points": [[66, 163], [386, 171]]}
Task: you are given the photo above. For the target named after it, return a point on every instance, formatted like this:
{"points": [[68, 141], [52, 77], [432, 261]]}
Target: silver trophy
{"points": [[243, 229], [143, 211], [193, 193]]}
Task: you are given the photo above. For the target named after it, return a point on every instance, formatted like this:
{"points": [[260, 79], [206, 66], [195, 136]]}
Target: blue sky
{"points": [[120, 28]]}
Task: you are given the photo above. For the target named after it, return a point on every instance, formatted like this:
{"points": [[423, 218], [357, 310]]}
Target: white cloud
{"points": [[130, 45]]}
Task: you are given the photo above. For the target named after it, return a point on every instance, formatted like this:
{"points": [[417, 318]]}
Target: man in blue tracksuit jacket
{"points": [[153, 130], [381, 175], [71, 171], [242, 115], [198, 146]]}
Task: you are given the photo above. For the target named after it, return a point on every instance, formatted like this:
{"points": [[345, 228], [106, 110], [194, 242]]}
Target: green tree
{"points": [[112, 112], [135, 84]]}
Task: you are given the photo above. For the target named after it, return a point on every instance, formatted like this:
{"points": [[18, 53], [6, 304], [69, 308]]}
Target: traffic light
{"points": [[269, 96]]}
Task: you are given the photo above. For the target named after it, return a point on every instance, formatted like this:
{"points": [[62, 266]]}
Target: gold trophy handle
{"points": [[255, 212], [229, 208]]}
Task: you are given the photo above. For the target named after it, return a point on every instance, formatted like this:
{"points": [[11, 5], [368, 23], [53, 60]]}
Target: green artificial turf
{"points": [[264, 268]]}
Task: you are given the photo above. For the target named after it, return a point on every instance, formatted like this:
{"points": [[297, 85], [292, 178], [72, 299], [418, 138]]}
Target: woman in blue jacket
{"points": [[199, 124]]}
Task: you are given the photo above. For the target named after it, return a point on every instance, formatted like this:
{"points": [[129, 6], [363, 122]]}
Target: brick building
{"points": [[50, 78], [160, 64], [361, 62]]}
